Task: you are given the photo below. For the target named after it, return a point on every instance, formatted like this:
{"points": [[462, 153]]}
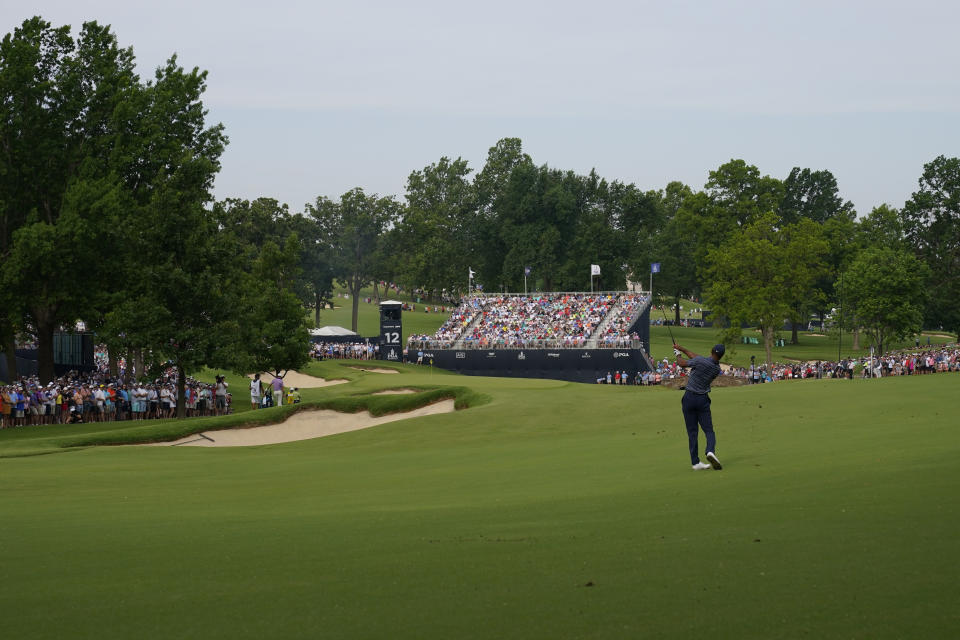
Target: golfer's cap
{"points": [[719, 349]]}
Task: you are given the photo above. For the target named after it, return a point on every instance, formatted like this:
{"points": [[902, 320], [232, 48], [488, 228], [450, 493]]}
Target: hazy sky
{"points": [[320, 97]]}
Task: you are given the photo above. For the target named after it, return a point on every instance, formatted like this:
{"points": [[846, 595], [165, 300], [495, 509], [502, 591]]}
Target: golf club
{"points": [[665, 322]]}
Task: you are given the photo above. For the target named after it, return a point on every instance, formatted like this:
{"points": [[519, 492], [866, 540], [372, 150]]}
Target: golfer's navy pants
{"points": [[696, 410]]}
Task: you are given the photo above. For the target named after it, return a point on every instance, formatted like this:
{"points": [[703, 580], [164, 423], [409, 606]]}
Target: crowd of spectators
{"points": [[344, 351], [559, 320], [97, 397], [460, 318], [616, 335], [896, 363]]}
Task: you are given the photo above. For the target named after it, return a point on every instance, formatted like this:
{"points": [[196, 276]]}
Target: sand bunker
{"points": [[303, 425], [394, 392], [375, 370], [299, 380]]}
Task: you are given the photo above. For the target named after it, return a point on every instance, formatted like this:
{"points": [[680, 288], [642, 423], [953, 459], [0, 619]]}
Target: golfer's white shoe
{"points": [[714, 462], [700, 466]]}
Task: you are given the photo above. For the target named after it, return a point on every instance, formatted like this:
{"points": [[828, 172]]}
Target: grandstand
{"points": [[567, 336]]}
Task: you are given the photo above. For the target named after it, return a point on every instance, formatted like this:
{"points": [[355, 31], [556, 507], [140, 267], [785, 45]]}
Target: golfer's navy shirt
{"points": [[702, 372]]}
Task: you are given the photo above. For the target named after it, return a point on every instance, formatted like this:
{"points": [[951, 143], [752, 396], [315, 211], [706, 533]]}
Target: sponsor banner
{"points": [[578, 365]]}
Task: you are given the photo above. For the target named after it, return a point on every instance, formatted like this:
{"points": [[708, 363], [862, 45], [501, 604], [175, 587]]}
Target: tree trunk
{"points": [[316, 308], [181, 393], [376, 291], [856, 340], [10, 353], [355, 294], [676, 310], [794, 338], [137, 364], [768, 343], [112, 361], [45, 327]]}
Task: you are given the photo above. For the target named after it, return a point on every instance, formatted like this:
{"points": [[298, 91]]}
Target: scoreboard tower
{"points": [[391, 331]]}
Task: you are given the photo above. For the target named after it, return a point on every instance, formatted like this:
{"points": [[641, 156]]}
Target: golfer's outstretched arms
{"points": [[683, 362]]}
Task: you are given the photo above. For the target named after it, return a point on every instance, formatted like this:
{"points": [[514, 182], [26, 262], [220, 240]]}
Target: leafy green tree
{"points": [[352, 229], [734, 196], [840, 233], [599, 235], [931, 220], [751, 276], [254, 222], [270, 253], [182, 273], [275, 336], [739, 195], [59, 268], [676, 244], [805, 248], [813, 195], [62, 130], [641, 216], [183, 308], [490, 186], [437, 229], [491, 182], [882, 227], [884, 287], [314, 283]]}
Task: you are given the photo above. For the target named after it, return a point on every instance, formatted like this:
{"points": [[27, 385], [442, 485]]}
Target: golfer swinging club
{"points": [[696, 402]]}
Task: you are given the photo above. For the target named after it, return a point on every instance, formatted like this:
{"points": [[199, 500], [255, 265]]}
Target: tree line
{"points": [[107, 215]]}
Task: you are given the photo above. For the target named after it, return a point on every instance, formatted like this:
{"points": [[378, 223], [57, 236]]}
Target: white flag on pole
{"points": [[594, 270], [471, 272]]}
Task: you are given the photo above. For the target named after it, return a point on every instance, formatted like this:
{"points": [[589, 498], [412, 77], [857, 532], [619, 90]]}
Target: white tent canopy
{"points": [[332, 330]]}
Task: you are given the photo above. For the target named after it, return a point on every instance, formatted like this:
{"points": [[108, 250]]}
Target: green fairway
{"points": [[545, 510]]}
